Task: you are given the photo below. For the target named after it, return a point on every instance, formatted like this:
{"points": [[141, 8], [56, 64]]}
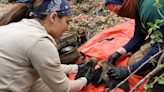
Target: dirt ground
{"points": [[89, 17], [5, 7]]}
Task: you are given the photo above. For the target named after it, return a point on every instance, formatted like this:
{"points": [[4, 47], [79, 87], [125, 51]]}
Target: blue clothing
{"points": [[48, 6], [136, 42], [147, 13], [120, 2]]}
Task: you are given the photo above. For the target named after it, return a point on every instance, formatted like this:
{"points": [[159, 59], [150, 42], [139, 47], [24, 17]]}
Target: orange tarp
{"points": [[122, 33]]}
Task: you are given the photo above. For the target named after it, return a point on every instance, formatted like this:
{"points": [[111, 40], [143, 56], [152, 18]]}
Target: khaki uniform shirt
{"points": [[28, 52]]}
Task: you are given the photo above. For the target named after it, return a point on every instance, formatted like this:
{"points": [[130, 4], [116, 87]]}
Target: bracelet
{"points": [[129, 70]]}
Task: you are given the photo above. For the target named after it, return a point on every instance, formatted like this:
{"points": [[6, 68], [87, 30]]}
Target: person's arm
{"points": [[69, 69], [45, 59], [154, 49], [136, 41]]}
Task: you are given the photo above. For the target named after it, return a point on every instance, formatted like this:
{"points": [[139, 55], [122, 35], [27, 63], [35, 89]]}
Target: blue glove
{"points": [[112, 58], [120, 72]]}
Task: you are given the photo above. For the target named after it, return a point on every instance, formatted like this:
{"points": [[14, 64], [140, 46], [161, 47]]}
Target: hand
{"points": [[89, 75], [96, 77], [112, 58], [120, 72], [82, 66], [82, 69]]}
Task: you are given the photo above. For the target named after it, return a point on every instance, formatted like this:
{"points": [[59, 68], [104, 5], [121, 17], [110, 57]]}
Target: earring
{"points": [[52, 23]]}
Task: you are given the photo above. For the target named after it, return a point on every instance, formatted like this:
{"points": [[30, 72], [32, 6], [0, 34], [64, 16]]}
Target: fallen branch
{"points": [[137, 69], [157, 69], [145, 78], [155, 81]]}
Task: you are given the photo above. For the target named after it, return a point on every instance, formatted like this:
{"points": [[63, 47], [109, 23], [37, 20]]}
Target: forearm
{"points": [[74, 86], [59, 82], [77, 85], [153, 50], [122, 51], [70, 69], [136, 41]]}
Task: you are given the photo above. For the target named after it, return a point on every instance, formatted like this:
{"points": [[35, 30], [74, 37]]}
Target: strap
{"points": [[82, 60]]}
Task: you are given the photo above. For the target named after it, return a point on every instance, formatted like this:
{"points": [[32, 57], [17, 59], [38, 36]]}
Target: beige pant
{"points": [[40, 86], [137, 56]]}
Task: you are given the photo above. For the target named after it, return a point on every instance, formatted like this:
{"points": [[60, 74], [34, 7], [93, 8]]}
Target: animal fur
{"points": [[101, 77]]}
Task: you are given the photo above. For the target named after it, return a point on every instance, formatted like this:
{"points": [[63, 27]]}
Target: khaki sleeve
{"points": [[70, 69], [45, 59]]}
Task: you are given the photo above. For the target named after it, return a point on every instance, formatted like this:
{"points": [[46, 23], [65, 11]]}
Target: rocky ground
{"points": [[89, 17]]}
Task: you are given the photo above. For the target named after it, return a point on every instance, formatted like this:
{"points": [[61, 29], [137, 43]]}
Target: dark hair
{"points": [[60, 16], [43, 16], [17, 13]]}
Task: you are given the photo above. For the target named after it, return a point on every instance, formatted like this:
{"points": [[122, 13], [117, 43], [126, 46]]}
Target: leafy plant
{"points": [[148, 86], [155, 35], [157, 4], [153, 61], [160, 80]]}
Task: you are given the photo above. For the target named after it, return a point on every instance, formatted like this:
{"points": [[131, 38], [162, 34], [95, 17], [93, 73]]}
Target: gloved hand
{"points": [[112, 58], [96, 77], [120, 72], [89, 75], [82, 66]]}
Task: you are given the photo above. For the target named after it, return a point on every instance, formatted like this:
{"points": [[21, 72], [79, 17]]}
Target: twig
{"points": [[159, 47], [160, 59], [122, 82], [97, 11], [155, 81], [146, 77], [161, 76], [160, 13], [150, 74]]}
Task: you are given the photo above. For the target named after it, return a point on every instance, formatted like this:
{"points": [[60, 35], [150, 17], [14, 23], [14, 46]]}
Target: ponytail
{"points": [[17, 13]]}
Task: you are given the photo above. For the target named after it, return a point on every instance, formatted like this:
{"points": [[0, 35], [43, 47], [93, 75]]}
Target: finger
{"points": [[117, 77], [111, 71], [111, 60], [114, 75], [89, 70]]}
